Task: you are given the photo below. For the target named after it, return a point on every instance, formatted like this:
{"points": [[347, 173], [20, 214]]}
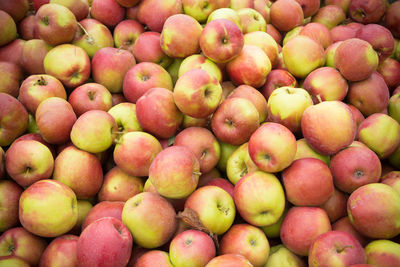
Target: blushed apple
{"points": [[12, 52], [383, 253], [275, 79], [11, 74], [147, 48], [154, 13], [329, 15], [80, 8], [198, 61], [266, 42], [90, 96], [239, 164], [225, 13], [33, 54], [126, 34], [17, 9], [108, 12], [391, 18], [8, 28], [151, 257], [390, 69], [280, 255], [304, 150], [344, 225], [286, 14], [125, 116], [10, 193], [336, 205], [62, 250], [229, 260], [367, 12], [251, 20], [103, 209]]}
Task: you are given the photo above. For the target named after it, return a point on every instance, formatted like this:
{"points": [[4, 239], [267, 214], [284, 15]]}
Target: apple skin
{"points": [[60, 252], [382, 222], [320, 127], [191, 247], [17, 9], [214, 207], [203, 144], [119, 186], [383, 253], [248, 241], [10, 193], [355, 166], [381, 133], [391, 19], [8, 28], [142, 77], [103, 209], [390, 71], [329, 15], [304, 150], [370, 95], [251, 20], [380, 38], [286, 14], [92, 35], [94, 131], [37, 137], [108, 12], [343, 32], [308, 175], [394, 182], [107, 241], [28, 161], [197, 93], [344, 225], [343, 249], [367, 12], [301, 226], [12, 52], [255, 208], [275, 79], [235, 120], [327, 83], [11, 75], [51, 19], [150, 218], [336, 205], [222, 183], [13, 261], [18, 242], [13, 119], [301, 64], [109, 66], [264, 41], [147, 48], [154, 13], [276, 155], [281, 256], [199, 10], [90, 96], [153, 257], [55, 118], [73, 72], [250, 67], [163, 123], [37, 88], [126, 34], [26, 28], [135, 151], [229, 260], [239, 164], [124, 114], [85, 165], [80, 8], [33, 54], [225, 13], [226, 151], [318, 32]]}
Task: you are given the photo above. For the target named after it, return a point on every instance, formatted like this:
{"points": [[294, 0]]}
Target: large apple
{"points": [[383, 253], [126, 34], [62, 250], [147, 48], [281, 256], [8, 28], [229, 260]]}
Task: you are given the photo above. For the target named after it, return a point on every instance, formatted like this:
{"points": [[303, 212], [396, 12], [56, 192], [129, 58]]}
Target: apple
{"points": [[199, 10], [304, 150], [328, 127], [370, 95], [135, 151], [28, 161], [344, 4], [61, 250], [329, 15], [12, 52], [32, 55], [191, 247], [92, 35], [13, 119], [126, 34], [229, 260], [118, 98], [26, 28], [222, 183], [84, 206], [383, 253], [20, 243], [259, 209], [197, 93], [90, 96], [11, 75], [124, 114], [318, 32], [367, 12], [76, 68], [391, 18], [51, 19], [154, 13], [55, 127], [291, 34], [142, 77], [264, 41], [128, 3], [379, 37], [119, 186], [250, 67], [150, 218], [300, 64], [248, 241], [251, 20], [286, 106], [94, 131], [108, 12], [107, 241], [381, 133], [273, 31], [40, 201], [8, 28], [334, 248], [281, 256], [157, 257], [308, 175], [390, 69], [330, 54], [394, 182], [239, 164], [326, 84], [275, 155], [10, 193], [344, 225], [275, 79], [103, 209], [379, 203], [235, 120], [17, 9], [225, 13], [357, 115], [36, 137], [80, 8], [37, 88], [263, 7], [343, 32], [286, 14], [173, 69], [336, 205], [147, 48], [13, 261], [200, 62], [301, 226], [355, 166], [163, 123]]}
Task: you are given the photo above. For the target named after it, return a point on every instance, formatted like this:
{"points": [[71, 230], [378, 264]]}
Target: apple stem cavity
{"points": [[41, 81], [358, 174], [341, 249], [197, 173]]}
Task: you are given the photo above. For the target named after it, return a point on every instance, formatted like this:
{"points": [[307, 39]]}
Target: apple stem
{"points": [[197, 173], [319, 98], [88, 37]]}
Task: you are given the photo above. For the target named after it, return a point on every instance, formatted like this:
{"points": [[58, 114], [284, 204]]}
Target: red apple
{"points": [[222, 183], [126, 34], [392, 18], [108, 12], [10, 193], [329, 15], [367, 12], [17, 9], [390, 71], [103, 209], [26, 28], [383, 253], [147, 48], [275, 79], [318, 32], [229, 260], [8, 28], [12, 52], [336, 205], [61, 251], [33, 54], [345, 225], [154, 13], [153, 257], [11, 75], [286, 14], [80, 8]]}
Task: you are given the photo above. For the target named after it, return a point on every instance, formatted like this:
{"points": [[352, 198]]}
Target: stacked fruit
{"points": [[199, 133]]}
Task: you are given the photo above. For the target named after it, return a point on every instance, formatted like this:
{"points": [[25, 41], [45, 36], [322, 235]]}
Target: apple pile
{"points": [[200, 133]]}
